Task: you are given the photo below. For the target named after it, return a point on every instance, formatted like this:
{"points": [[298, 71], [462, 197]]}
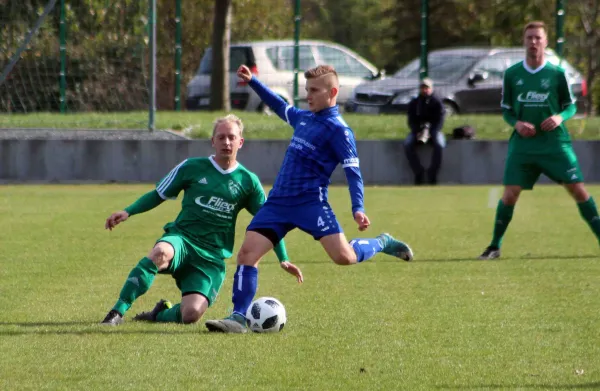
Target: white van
{"points": [[273, 63]]}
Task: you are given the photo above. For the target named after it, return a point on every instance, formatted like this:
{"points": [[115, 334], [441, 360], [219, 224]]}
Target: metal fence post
{"points": [[178, 55], [424, 68], [63, 58], [152, 42], [296, 50], [560, 31]]}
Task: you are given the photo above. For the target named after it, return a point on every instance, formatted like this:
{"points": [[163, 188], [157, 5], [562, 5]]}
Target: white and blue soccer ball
{"points": [[266, 315]]}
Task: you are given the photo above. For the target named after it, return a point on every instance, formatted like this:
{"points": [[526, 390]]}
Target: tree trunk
{"points": [[219, 79], [589, 11], [591, 75]]}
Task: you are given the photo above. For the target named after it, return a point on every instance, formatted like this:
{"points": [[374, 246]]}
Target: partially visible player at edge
{"points": [[194, 246], [536, 101], [298, 199]]}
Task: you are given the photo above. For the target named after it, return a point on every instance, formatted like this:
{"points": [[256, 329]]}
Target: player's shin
{"points": [[365, 248], [245, 283], [504, 215], [138, 282], [589, 213], [170, 315]]}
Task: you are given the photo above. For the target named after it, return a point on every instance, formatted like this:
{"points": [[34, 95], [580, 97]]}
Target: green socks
{"points": [[589, 212], [138, 282], [504, 214], [171, 315]]}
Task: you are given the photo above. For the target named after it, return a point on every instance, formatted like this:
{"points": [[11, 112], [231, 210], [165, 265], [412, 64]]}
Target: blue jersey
{"points": [[320, 142]]}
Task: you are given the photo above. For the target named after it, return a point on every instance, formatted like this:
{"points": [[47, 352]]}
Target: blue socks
{"points": [[365, 248], [245, 283], [245, 280]]}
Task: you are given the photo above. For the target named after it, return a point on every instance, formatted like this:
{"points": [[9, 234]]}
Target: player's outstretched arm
{"points": [[143, 204], [115, 219], [362, 220], [293, 270], [286, 112], [343, 144], [285, 263]]}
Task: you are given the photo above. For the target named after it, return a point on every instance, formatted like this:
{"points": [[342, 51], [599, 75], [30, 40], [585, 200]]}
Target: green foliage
{"points": [[105, 68], [107, 43], [351, 23], [528, 321]]}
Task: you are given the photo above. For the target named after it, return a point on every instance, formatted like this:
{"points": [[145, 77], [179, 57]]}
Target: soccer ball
{"points": [[266, 315]]}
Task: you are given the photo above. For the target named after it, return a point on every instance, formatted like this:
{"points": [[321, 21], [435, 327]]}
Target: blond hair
{"points": [[536, 24], [320, 70], [326, 71], [228, 119]]}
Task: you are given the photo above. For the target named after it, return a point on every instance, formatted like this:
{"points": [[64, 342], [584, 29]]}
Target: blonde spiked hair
{"points": [[320, 71], [231, 119]]}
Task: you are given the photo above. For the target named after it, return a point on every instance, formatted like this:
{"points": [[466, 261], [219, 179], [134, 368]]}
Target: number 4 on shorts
{"points": [[320, 222]]}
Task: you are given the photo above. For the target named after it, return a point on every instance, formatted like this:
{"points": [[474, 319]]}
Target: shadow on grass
{"points": [[523, 258], [44, 324], [387, 259], [594, 385], [88, 328]]}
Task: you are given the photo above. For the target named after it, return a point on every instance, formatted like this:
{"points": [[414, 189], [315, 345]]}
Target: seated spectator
{"points": [[425, 119]]}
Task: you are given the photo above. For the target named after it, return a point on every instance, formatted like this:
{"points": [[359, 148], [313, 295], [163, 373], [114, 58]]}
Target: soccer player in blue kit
{"points": [[298, 199]]}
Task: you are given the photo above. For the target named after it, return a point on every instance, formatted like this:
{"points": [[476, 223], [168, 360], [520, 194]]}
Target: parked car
{"points": [[273, 62], [468, 80]]}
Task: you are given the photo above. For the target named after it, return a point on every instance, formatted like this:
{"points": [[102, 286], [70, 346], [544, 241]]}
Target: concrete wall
{"points": [[382, 162]]}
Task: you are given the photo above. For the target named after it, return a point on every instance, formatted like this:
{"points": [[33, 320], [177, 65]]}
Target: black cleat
{"points": [[490, 253], [113, 318], [150, 316]]}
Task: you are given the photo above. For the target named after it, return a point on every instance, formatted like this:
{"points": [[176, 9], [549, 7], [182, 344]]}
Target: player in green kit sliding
{"points": [[536, 101], [194, 246]]}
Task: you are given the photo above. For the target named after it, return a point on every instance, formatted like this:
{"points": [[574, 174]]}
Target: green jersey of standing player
{"points": [[536, 101], [193, 247]]}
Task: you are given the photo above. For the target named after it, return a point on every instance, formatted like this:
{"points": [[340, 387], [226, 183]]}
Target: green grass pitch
{"points": [[199, 124], [446, 321]]}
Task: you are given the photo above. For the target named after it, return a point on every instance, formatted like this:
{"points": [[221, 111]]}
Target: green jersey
{"points": [[212, 199], [533, 95]]}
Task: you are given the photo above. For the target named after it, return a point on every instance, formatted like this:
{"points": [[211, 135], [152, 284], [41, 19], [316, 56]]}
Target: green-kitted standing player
{"points": [[194, 246], [536, 101]]}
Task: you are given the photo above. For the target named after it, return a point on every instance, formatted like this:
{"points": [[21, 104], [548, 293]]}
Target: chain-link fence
{"points": [[57, 57], [96, 56]]}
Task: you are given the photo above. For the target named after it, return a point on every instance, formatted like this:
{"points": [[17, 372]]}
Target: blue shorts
{"points": [[316, 219]]}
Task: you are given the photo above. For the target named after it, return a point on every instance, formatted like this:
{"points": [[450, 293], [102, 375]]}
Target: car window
{"points": [[343, 63], [514, 58], [272, 55], [571, 72], [358, 69], [409, 71], [282, 57], [335, 57], [237, 56], [494, 65], [441, 67]]}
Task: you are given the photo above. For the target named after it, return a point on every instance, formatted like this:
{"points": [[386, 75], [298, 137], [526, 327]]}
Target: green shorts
{"points": [[192, 272], [524, 169]]}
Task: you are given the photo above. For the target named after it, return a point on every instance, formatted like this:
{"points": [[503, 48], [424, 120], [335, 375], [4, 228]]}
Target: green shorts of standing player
{"points": [[194, 246], [536, 101]]}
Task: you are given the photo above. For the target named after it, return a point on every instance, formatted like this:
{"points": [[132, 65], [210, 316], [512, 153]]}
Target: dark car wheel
{"points": [[450, 109]]}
